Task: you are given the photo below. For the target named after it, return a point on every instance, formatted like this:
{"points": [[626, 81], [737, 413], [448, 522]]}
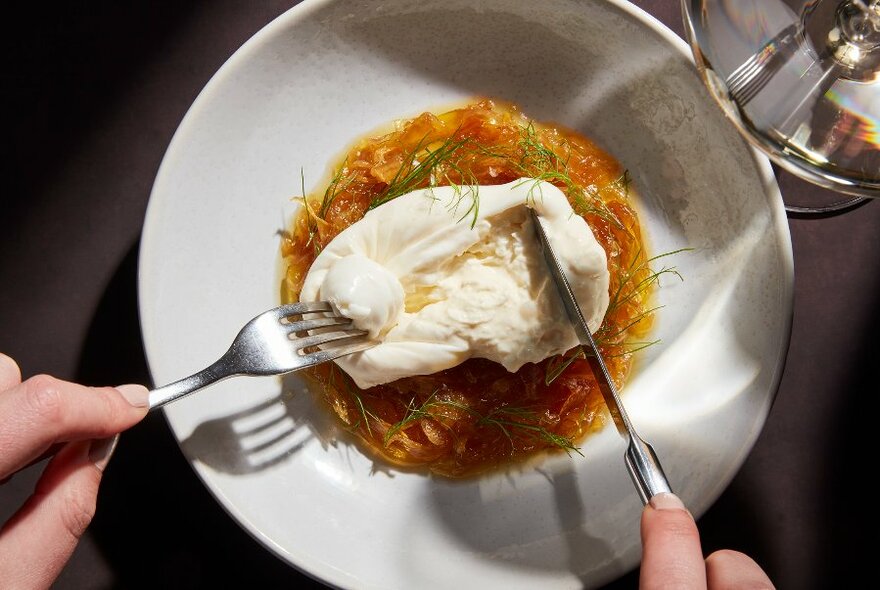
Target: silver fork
{"points": [[275, 342], [746, 81]]}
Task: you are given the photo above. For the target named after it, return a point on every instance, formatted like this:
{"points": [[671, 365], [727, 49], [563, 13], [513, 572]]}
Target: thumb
{"points": [[39, 539]]}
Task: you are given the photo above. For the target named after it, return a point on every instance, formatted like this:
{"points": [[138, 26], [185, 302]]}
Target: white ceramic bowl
{"points": [[322, 75]]}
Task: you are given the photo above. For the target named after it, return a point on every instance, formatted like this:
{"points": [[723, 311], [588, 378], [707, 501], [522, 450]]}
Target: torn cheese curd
{"points": [[444, 274]]}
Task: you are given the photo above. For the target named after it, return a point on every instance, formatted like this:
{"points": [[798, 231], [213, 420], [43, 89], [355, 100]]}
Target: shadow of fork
{"points": [[261, 436]]}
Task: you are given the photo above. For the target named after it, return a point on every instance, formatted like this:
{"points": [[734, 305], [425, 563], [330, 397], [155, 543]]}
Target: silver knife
{"points": [[641, 460]]}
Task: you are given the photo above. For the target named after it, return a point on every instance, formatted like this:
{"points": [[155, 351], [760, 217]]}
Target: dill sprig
{"points": [[365, 414], [558, 364], [468, 186], [543, 164], [418, 169], [335, 373], [311, 218], [413, 413], [334, 189], [450, 162], [629, 347], [505, 419], [634, 281], [604, 336]]}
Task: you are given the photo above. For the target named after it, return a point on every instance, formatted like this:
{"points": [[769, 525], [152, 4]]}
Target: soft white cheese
{"points": [[362, 289], [444, 274]]}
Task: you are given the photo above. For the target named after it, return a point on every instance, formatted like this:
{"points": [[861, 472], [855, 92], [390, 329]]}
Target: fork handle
{"points": [[216, 372]]}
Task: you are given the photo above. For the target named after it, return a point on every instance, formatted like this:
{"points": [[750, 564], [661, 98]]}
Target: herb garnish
{"points": [[506, 418], [634, 282], [463, 149]]}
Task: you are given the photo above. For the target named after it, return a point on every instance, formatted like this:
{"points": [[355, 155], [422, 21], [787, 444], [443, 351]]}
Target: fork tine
{"points": [[749, 88], [300, 308], [322, 356], [744, 71], [750, 78], [744, 75], [326, 338], [306, 325]]}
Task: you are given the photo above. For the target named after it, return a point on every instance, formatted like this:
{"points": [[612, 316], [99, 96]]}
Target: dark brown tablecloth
{"points": [[94, 92]]}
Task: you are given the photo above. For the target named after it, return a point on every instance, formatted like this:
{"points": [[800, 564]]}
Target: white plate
{"points": [[327, 72]]}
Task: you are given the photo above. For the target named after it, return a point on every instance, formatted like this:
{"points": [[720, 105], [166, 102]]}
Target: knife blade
{"points": [[641, 460]]}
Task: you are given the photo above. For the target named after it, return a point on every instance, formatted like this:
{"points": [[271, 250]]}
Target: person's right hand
{"points": [[78, 427], [672, 556]]}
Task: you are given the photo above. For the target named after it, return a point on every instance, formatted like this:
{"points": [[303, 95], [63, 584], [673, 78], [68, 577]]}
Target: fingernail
{"points": [[666, 501], [136, 395], [101, 450]]}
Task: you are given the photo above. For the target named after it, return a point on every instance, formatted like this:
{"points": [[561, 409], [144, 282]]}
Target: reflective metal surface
{"points": [[641, 460], [275, 342]]}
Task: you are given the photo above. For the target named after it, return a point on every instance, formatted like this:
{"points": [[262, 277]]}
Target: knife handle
{"points": [[645, 469]]}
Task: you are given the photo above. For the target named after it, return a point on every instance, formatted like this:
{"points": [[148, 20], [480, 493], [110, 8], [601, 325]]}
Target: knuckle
{"points": [[43, 398]]}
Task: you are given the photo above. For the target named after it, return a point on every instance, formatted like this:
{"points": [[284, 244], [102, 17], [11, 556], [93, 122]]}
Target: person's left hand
{"points": [[78, 427]]}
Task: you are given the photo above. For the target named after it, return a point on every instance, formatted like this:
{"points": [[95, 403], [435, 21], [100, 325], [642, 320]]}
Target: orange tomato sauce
{"points": [[478, 416]]}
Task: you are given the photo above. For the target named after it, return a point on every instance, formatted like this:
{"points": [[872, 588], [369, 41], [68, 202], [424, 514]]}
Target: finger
{"points": [[10, 374], [39, 539], [671, 553], [43, 410], [50, 452], [730, 570]]}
